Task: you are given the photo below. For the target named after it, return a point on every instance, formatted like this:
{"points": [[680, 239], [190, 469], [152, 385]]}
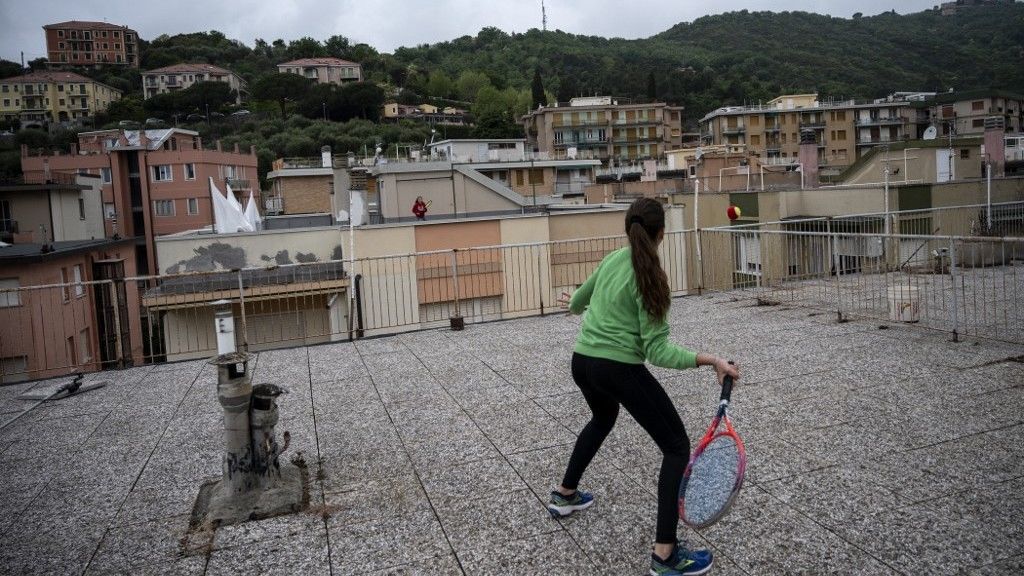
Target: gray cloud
{"points": [[387, 24]]}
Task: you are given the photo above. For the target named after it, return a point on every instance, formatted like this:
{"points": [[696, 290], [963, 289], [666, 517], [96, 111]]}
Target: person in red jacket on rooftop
{"points": [[419, 208]]}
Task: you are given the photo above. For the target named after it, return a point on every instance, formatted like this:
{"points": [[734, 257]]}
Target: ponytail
{"points": [[645, 220]]}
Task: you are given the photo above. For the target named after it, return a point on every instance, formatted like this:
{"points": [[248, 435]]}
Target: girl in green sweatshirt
{"points": [[627, 300]]}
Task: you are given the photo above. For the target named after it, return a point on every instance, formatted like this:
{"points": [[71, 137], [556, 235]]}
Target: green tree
{"points": [[439, 85], [652, 87], [8, 69], [537, 90], [281, 88], [469, 84], [306, 47]]}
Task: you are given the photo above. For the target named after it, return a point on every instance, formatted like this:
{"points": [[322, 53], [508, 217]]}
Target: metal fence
{"points": [[960, 283]]}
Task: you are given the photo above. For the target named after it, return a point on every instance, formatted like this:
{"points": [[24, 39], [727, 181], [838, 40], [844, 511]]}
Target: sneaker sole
{"points": [[705, 570], [562, 511]]}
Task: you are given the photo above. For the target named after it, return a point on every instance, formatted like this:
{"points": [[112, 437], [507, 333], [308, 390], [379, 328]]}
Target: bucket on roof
{"points": [[904, 304]]}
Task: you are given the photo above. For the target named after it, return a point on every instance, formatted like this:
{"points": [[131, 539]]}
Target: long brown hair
{"points": [[645, 221]]}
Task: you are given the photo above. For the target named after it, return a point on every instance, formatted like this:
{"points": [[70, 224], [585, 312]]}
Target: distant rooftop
{"points": [[156, 137], [186, 68], [319, 62], [50, 77], [34, 251], [86, 25]]}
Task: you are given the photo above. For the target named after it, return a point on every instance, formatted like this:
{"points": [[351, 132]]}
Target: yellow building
{"points": [[843, 130], [52, 96]]}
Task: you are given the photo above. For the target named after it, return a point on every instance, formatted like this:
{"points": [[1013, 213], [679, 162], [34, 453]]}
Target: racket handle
{"points": [[727, 386]]}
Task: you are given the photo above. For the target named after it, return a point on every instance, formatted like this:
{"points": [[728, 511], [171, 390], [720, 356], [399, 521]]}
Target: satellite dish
{"points": [[931, 133]]}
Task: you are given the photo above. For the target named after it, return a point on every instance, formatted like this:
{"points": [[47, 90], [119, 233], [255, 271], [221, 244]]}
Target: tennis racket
{"points": [[714, 475]]}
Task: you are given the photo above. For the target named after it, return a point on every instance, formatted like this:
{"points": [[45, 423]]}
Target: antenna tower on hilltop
{"points": [[543, 16]]}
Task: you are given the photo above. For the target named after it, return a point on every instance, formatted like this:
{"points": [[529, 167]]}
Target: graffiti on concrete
{"points": [[306, 258], [336, 254], [211, 257]]}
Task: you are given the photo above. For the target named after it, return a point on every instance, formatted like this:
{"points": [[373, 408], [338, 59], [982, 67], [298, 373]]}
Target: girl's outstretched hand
{"points": [[564, 299], [725, 368]]}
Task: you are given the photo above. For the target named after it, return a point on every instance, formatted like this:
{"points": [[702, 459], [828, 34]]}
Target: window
{"points": [[965, 153], [163, 207], [117, 34], [60, 87], [519, 177], [978, 123], [193, 205], [536, 176], [7, 102], [117, 46], [61, 101], [978, 105], [755, 139], [79, 288], [190, 171], [841, 135], [81, 208], [60, 33], [5, 88], [105, 174], [229, 171], [9, 299], [84, 348], [69, 349], [109, 211], [64, 284], [162, 173]]}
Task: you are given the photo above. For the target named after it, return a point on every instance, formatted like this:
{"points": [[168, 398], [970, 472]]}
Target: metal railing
{"points": [[959, 281]]}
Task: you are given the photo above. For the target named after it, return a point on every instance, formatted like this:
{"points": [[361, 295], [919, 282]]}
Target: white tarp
{"points": [[228, 216], [252, 214]]}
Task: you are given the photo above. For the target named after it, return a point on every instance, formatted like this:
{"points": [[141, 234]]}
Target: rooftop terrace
{"points": [[870, 450]]}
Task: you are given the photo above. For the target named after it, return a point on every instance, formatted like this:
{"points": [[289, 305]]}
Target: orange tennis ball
{"points": [[734, 212]]}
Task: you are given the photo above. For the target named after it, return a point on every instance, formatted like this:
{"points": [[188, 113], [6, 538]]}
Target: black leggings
{"points": [[606, 384]]}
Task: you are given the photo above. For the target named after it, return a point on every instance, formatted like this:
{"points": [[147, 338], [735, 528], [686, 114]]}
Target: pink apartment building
{"points": [[154, 182]]}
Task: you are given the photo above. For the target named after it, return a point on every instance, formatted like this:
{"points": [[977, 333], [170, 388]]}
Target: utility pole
{"points": [[543, 16]]}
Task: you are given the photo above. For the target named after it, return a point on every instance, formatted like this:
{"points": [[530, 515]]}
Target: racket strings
{"points": [[713, 479]]}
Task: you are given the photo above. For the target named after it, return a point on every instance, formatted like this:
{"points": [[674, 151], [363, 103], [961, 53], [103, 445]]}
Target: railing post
{"points": [[457, 321], [115, 303], [241, 304], [834, 240], [952, 280], [540, 280]]}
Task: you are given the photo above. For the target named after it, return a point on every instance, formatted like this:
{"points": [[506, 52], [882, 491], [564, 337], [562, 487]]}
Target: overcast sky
{"points": [[388, 24]]}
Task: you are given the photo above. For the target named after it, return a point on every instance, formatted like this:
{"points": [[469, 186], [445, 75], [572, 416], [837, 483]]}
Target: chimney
{"points": [[24, 150], [809, 158], [143, 139], [995, 145], [74, 149], [199, 143], [236, 148], [219, 147], [46, 169], [325, 157], [252, 150]]}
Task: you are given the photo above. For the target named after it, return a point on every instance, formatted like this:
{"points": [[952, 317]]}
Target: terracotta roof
{"points": [[186, 68], [55, 76], [86, 25], [319, 62]]}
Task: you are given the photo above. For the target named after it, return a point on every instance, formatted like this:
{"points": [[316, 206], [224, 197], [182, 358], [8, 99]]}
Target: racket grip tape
{"points": [[727, 383]]}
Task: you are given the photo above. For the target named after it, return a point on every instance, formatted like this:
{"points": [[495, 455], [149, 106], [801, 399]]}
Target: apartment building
{"points": [[90, 44], [41, 98], [393, 112], [182, 76], [965, 112], [601, 128], [324, 70], [154, 182]]}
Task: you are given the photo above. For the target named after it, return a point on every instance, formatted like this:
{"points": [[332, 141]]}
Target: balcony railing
{"points": [[582, 142], [237, 183], [580, 123], [880, 121], [637, 122], [734, 129], [813, 124], [570, 188]]}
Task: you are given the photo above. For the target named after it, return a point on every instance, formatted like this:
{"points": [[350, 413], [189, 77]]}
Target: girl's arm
{"points": [[581, 297], [658, 349]]}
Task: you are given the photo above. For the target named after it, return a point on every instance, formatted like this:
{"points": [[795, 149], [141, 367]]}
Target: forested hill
{"points": [[752, 56]]}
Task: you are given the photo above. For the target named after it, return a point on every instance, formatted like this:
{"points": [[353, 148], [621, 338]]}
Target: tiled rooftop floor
{"points": [[870, 451]]}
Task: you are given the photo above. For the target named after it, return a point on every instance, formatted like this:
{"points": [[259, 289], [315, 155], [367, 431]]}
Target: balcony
{"points": [[876, 141], [774, 128], [812, 124], [575, 188], [580, 123], [237, 183], [734, 130], [887, 121], [582, 142], [637, 122]]}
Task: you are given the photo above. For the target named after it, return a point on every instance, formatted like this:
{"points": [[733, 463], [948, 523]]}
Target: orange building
{"points": [[80, 43], [70, 320], [154, 181]]}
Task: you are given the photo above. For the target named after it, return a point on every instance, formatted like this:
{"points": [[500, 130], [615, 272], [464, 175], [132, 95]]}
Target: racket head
{"points": [[713, 477]]}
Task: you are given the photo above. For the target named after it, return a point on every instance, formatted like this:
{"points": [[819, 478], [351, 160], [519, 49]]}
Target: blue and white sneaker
{"points": [[682, 562], [564, 505]]}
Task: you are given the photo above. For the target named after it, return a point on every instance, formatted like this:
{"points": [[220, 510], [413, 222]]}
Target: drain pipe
{"points": [[234, 392]]}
